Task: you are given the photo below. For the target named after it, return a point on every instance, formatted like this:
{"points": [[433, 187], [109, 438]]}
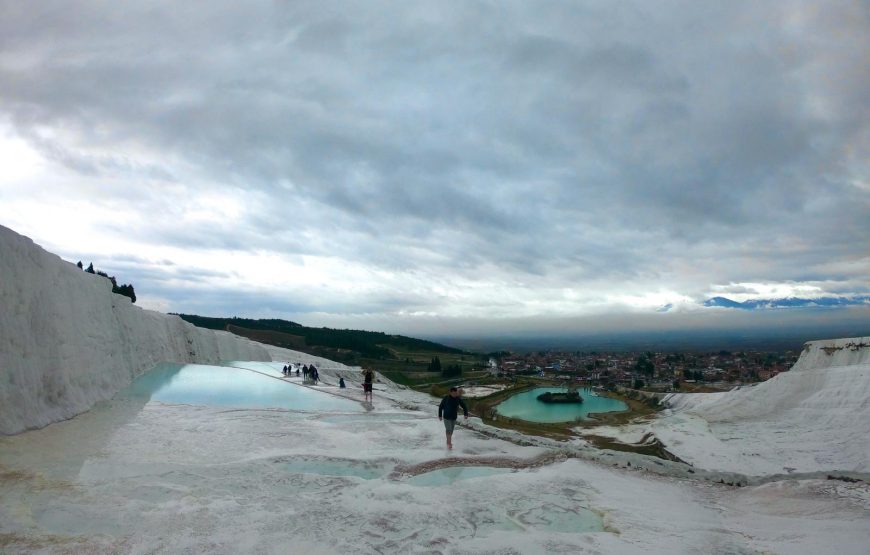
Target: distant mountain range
{"points": [[790, 302]]}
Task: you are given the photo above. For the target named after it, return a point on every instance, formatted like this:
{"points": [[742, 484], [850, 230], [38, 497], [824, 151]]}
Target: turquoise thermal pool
{"points": [[195, 384], [527, 407]]}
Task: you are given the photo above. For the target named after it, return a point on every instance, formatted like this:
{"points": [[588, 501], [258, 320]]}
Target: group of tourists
{"points": [[309, 372], [288, 370]]}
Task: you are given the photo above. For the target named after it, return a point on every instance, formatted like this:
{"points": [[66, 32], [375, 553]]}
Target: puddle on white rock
{"points": [[564, 512], [338, 468], [559, 518], [450, 475]]}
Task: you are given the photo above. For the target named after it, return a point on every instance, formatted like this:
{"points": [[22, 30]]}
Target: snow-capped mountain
{"points": [[789, 302]]}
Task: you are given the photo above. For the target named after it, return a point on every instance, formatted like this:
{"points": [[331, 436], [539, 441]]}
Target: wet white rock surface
{"points": [[138, 476]]}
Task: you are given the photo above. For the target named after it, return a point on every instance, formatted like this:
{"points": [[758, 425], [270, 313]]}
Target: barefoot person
{"points": [[448, 411]]}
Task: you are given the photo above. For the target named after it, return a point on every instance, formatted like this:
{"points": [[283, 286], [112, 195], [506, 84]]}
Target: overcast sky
{"points": [[443, 167]]}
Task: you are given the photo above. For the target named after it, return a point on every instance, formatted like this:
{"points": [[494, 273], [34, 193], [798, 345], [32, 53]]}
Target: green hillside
{"points": [[404, 359]]}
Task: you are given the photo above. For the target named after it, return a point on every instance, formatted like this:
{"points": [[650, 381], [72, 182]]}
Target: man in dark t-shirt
{"points": [[448, 411], [368, 378]]}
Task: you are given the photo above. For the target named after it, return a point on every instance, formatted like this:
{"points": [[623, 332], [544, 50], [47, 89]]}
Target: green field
{"points": [[405, 360], [409, 367]]}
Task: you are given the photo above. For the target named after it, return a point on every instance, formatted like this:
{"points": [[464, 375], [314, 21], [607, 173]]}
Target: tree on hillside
{"points": [[125, 289], [108, 277], [434, 365], [452, 371], [80, 265]]}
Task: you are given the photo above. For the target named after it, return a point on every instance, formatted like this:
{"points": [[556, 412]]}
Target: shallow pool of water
{"points": [[270, 368], [337, 468], [560, 517], [195, 384], [446, 476], [527, 407]]}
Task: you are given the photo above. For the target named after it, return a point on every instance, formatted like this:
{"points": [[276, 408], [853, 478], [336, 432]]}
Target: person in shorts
{"points": [[368, 379], [448, 411]]}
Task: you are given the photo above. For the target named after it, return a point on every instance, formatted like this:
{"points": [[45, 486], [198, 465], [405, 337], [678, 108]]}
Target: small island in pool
{"points": [[566, 397]]}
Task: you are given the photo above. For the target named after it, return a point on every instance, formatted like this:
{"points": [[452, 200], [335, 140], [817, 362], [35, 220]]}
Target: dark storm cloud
{"points": [[557, 141]]}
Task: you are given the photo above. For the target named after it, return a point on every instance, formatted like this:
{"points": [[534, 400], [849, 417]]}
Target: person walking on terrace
{"points": [[448, 411], [368, 379]]}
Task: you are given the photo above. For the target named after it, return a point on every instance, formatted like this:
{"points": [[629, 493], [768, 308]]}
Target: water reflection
{"points": [[445, 476], [195, 384]]}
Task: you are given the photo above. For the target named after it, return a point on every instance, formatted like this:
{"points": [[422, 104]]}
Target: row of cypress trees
{"points": [[445, 371]]}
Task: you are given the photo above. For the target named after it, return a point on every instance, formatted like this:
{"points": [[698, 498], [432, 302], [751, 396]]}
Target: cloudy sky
{"points": [[447, 167]]}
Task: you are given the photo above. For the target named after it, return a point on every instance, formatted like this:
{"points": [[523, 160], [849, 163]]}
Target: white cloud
{"points": [[316, 160]]}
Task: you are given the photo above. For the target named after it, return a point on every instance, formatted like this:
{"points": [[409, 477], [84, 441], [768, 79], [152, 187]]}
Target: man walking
{"points": [[448, 411], [368, 378]]}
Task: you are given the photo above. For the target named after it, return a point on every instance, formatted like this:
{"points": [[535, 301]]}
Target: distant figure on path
{"points": [[448, 411], [368, 379], [305, 372], [341, 383], [284, 370], [312, 371], [297, 371]]}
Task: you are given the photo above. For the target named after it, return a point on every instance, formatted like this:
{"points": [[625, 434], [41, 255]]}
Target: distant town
{"points": [[652, 371]]}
